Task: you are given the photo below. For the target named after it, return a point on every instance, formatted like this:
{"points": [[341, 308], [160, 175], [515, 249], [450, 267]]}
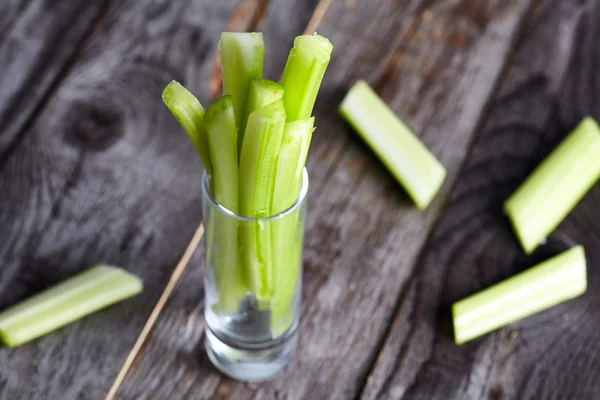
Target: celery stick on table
{"points": [[65, 302], [556, 280], [303, 73], [407, 158], [556, 186]]}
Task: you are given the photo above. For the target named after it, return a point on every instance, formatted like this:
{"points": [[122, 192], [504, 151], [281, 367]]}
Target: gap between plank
{"points": [[179, 270]]}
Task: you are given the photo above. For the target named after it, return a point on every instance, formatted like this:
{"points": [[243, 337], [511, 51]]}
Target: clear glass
{"points": [[253, 284]]}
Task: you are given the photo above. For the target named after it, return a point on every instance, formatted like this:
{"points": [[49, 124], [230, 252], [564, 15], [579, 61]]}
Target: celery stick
{"points": [[407, 158], [258, 167], [556, 280], [222, 137], [303, 74], [189, 113], [287, 241], [222, 230], [242, 57], [556, 186], [292, 158], [65, 302], [263, 92]]}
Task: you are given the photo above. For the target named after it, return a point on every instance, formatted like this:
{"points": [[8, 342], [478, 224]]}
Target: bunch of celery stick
{"points": [[253, 142]]}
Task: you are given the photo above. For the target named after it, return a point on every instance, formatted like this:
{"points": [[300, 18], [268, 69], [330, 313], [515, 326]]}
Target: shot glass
{"points": [[253, 285]]}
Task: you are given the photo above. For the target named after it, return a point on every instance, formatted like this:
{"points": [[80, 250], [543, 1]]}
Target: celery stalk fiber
{"points": [[222, 141], [406, 157], [303, 73], [556, 186], [242, 58], [66, 302], [258, 166], [556, 280], [188, 111]]}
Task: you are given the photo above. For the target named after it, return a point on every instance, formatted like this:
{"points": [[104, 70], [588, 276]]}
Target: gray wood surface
{"points": [[548, 89], [363, 236], [38, 41], [93, 168], [104, 175]]}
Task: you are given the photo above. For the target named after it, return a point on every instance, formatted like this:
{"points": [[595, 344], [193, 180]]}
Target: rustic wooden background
{"points": [[94, 168]]}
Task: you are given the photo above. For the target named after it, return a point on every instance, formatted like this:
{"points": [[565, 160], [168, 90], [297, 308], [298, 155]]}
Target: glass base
{"points": [[251, 362]]}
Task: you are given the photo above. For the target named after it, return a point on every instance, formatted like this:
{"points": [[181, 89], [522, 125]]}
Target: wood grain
{"points": [[548, 90], [105, 174], [437, 63], [38, 41]]}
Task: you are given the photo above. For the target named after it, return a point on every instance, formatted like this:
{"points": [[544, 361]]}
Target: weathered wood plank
{"points": [[437, 66], [548, 90], [38, 40], [105, 175]]}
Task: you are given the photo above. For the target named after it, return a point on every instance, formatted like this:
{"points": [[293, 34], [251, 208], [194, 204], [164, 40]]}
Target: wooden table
{"points": [[93, 168]]}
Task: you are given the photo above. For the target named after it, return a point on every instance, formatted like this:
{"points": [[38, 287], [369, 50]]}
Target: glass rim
{"points": [[207, 195]]}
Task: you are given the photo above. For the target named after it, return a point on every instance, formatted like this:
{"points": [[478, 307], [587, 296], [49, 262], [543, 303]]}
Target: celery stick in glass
{"points": [[547, 284], [556, 186], [189, 113], [222, 141], [287, 241], [258, 167], [303, 73], [66, 302], [263, 92], [407, 158], [242, 57]]}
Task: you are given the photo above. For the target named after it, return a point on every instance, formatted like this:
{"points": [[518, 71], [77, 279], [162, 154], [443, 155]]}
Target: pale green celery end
{"points": [[222, 141], [303, 74], [188, 111], [242, 58], [405, 156], [555, 187], [262, 93], [558, 279], [66, 302]]}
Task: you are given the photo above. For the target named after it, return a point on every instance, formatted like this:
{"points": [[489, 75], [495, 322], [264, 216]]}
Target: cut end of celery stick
{"points": [[547, 284], [406, 157], [242, 58], [222, 137], [303, 74], [66, 302], [188, 111], [554, 188]]}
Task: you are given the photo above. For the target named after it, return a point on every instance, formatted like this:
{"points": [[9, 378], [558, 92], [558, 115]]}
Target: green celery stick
{"points": [[556, 186], [258, 167], [263, 92], [407, 158], [222, 137], [292, 158], [287, 240], [189, 113], [66, 302], [222, 141], [547, 284], [303, 73], [242, 58]]}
